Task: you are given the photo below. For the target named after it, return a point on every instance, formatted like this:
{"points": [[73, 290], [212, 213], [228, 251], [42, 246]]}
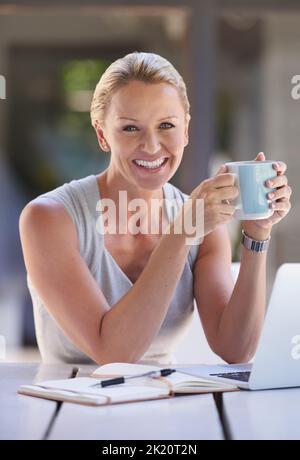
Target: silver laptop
{"points": [[277, 360]]}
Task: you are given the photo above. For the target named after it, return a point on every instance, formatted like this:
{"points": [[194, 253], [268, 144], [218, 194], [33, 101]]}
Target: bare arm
{"points": [[232, 315], [242, 320], [70, 293]]}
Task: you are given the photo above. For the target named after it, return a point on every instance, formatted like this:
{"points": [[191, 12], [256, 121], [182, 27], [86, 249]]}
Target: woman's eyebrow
{"points": [[133, 119]]}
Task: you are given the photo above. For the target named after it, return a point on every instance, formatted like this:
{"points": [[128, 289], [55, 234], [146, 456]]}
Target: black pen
{"points": [[119, 380]]}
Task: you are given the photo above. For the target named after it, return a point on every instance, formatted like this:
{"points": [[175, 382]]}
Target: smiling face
{"points": [[144, 121]]}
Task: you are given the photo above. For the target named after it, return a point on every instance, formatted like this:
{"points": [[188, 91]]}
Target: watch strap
{"points": [[254, 245]]}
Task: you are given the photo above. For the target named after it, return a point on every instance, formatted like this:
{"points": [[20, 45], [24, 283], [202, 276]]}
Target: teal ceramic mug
{"points": [[250, 178]]}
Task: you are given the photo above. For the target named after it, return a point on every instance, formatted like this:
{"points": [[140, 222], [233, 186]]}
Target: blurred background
{"points": [[237, 57]]}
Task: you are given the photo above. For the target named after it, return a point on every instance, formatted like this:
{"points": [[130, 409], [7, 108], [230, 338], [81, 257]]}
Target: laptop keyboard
{"points": [[243, 376]]}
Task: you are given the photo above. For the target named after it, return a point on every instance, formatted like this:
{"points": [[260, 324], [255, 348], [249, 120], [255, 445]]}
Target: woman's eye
{"points": [[127, 128], [169, 124], [131, 128]]}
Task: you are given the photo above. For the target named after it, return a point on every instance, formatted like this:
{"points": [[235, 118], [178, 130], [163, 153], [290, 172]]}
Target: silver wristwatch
{"points": [[254, 245]]}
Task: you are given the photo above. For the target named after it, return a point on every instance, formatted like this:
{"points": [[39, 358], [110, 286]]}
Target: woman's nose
{"points": [[150, 143]]}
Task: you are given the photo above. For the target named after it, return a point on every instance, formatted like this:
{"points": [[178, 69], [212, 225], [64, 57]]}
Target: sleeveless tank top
{"points": [[80, 198]]}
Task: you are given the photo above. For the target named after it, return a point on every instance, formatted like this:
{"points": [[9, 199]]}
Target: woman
{"points": [[129, 296]]}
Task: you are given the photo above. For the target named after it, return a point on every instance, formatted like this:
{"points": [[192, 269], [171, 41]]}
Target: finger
{"points": [[275, 218], [280, 167], [223, 180], [281, 192], [225, 193], [280, 206], [276, 182], [285, 198], [222, 169], [260, 157], [226, 209]]}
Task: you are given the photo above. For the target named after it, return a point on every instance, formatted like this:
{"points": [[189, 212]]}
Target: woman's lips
{"points": [[151, 170]]}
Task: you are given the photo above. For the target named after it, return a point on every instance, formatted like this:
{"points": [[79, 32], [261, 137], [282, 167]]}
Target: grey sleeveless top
{"points": [[80, 197]]}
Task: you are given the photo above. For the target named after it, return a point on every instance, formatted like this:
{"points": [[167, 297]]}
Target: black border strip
{"points": [[218, 397], [58, 407]]}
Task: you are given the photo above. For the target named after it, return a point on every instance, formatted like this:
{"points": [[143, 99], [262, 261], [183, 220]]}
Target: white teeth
{"points": [[150, 164]]}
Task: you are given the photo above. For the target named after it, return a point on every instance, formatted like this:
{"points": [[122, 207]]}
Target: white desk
{"points": [[272, 414], [268, 414], [179, 418], [24, 417]]}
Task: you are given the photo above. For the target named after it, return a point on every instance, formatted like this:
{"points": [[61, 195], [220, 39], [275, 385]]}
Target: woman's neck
{"points": [[110, 185]]}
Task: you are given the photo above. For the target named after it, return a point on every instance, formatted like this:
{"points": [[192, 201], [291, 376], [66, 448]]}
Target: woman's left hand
{"points": [[260, 229]]}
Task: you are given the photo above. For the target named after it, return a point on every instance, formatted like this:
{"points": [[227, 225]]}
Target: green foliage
{"points": [[82, 74]]}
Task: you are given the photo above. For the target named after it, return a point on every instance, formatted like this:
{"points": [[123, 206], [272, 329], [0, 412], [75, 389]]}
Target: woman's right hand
{"points": [[214, 192]]}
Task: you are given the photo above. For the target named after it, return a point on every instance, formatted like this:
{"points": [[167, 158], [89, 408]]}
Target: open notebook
{"points": [[81, 389]]}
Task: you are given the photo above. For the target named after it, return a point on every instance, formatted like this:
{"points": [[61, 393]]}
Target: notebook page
{"points": [[115, 393], [61, 395]]}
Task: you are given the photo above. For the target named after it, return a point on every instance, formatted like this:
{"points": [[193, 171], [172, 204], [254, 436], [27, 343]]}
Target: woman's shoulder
{"points": [[45, 210], [65, 210], [43, 221], [72, 196]]}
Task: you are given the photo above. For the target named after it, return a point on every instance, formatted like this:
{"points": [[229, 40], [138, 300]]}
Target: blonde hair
{"points": [[146, 67]]}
